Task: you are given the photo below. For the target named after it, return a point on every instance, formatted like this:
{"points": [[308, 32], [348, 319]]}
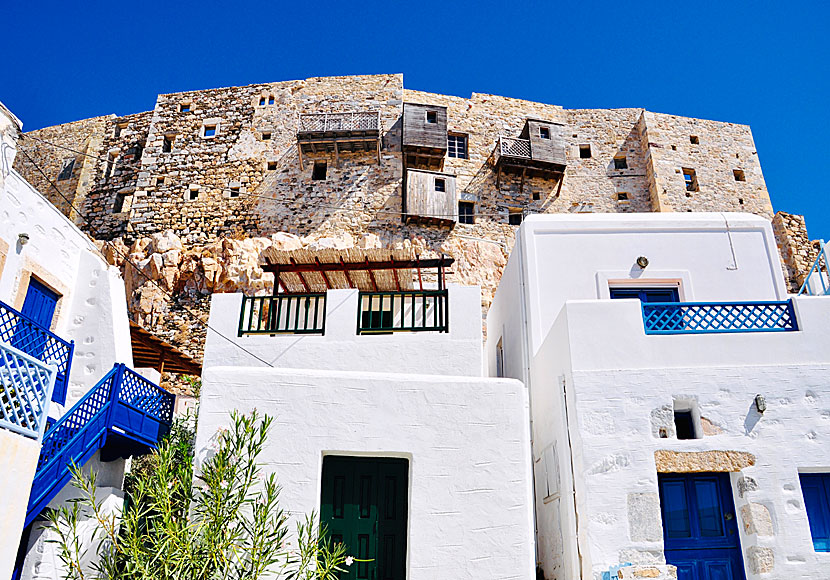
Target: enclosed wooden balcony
{"points": [[430, 198], [424, 135], [538, 152], [339, 132]]}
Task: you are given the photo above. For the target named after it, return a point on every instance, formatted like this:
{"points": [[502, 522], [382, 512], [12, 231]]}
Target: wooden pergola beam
{"points": [[358, 266]]}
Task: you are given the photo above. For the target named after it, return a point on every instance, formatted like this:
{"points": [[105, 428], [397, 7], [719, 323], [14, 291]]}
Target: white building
{"points": [[61, 304], [382, 419], [693, 432]]}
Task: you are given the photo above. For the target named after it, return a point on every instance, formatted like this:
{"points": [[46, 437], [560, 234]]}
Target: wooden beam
{"points": [[420, 281], [371, 277], [346, 272], [325, 276], [357, 266], [300, 152], [395, 274], [336, 155], [300, 275]]}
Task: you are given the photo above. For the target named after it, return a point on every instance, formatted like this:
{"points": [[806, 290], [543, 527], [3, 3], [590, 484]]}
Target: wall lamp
{"points": [[23, 239], [642, 261], [760, 403]]}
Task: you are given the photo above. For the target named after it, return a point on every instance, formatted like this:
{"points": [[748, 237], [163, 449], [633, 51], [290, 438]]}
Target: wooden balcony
{"points": [[339, 132], [424, 135], [430, 198], [538, 152]]}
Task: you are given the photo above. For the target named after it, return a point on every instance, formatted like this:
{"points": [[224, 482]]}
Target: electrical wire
{"points": [[525, 209], [126, 258]]}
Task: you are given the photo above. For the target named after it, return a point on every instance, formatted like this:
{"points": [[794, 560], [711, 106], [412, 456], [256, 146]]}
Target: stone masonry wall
{"points": [[798, 252]]}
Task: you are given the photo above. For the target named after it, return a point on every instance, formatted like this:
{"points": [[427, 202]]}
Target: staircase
{"points": [[123, 415]]}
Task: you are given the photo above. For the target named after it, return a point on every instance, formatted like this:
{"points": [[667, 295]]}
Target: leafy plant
{"points": [[228, 525]]}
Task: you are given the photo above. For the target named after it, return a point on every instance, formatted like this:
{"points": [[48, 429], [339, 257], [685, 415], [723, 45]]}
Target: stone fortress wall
{"points": [[223, 195]]}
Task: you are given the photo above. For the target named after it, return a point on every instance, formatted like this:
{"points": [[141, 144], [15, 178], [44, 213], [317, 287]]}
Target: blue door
{"points": [[39, 305], [700, 529], [646, 294]]}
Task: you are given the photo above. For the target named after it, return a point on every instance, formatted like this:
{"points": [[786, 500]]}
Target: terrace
{"points": [[338, 133]]}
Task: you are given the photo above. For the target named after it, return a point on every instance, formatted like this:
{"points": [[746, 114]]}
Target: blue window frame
{"points": [[816, 490], [647, 294]]}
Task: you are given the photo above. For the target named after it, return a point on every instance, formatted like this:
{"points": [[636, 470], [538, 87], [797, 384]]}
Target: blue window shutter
{"points": [[646, 294]]}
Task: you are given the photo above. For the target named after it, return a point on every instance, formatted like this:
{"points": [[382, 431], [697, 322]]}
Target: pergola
{"points": [[149, 351]]}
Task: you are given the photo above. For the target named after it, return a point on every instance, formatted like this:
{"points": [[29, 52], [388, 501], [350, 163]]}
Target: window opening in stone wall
{"points": [[167, 144], [120, 205], [500, 358], [440, 184], [432, 117], [135, 152], [110, 164], [740, 201], [514, 218], [159, 181], [234, 192], [266, 136], [457, 146], [318, 173], [584, 151], [620, 162], [739, 174], [684, 424], [690, 177], [622, 196], [272, 166], [66, 169], [674, 147], [210, 131], [271, 99], [184, 108], [192, 194], [466, 212], [118, 128], [544, 132], [694, 140], [262, 101], [815, 488]]}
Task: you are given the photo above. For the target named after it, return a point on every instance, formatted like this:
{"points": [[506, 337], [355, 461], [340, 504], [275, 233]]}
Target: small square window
{"points": [[271, 100], [272, 166], [167, 144], [684, 423], [432, 117], [466, 212], [210, 131], [693, 139], [66, 169], [440, 184], [184, 108], [740, 201], [318, 173], [620, 162], [234, 192], [192, 194], [690, 177], [674, 147], [544, 132], [739, 174], [266, 136], [159, 181], [118, 128], [584, 151], [262, 101], [121, 203], [514, 218], [457, 146], [622, 196]]}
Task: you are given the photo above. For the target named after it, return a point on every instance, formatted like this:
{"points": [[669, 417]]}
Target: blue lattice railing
{"points": [[712, 317], [24, 334], [124, 404], [25, 391]]}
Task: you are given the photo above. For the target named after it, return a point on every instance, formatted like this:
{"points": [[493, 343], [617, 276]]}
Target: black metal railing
{"points": [[283, 313], [423, 310]]}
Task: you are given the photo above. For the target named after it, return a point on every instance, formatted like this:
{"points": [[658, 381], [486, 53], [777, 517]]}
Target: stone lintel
{"points": [[701, 461]]}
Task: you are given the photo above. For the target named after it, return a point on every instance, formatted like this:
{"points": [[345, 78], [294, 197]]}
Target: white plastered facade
{"points": [[599, 386], [418, 396]]}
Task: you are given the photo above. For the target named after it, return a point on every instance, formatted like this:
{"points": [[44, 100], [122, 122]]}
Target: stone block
{"points": [[644, 524]]}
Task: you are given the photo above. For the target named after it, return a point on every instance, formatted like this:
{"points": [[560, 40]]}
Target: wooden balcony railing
{"points": [[426, 310], [283, 313], [339, 122], [514, 147]]}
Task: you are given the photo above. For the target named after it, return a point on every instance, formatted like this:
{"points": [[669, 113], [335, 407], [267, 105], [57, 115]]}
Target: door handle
{"points": [[729, 517]]}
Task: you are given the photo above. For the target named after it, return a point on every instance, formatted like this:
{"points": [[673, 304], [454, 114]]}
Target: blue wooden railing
{"points": [[715, 317], [25, 391], [122, 407], [24, 334]]}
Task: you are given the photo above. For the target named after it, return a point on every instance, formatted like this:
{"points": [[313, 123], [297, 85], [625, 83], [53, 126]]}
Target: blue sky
{"points": [[764, 64]]}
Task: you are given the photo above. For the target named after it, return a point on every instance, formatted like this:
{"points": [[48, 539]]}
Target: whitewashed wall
{"points": [[470, 508]]}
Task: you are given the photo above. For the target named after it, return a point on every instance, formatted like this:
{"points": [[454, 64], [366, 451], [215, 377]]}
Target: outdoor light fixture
{"points": [[23, 238], [760, 403], [642, 261]]}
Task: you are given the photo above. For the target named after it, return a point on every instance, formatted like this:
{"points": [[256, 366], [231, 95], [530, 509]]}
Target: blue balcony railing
{"points": [[717, 317], [28, 336], [25, 390]]}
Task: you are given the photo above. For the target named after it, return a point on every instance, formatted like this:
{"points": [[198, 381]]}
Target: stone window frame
{"points": [[68, 163], [269, 163], [739, 175], [512, 212], [188, 193], [234, 187], [215, 123], [186, 107], [265, 135], [123, 201], [620, 166], [582, 148], [318, 174], [109, 165], [623, 197], [691, 184], [31, 269]]}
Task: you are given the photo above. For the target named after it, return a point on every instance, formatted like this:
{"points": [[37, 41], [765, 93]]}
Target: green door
{"points": [[364, 506]]}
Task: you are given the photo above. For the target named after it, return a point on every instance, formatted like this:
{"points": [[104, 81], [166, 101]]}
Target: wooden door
{"points": [[364, 506]]}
